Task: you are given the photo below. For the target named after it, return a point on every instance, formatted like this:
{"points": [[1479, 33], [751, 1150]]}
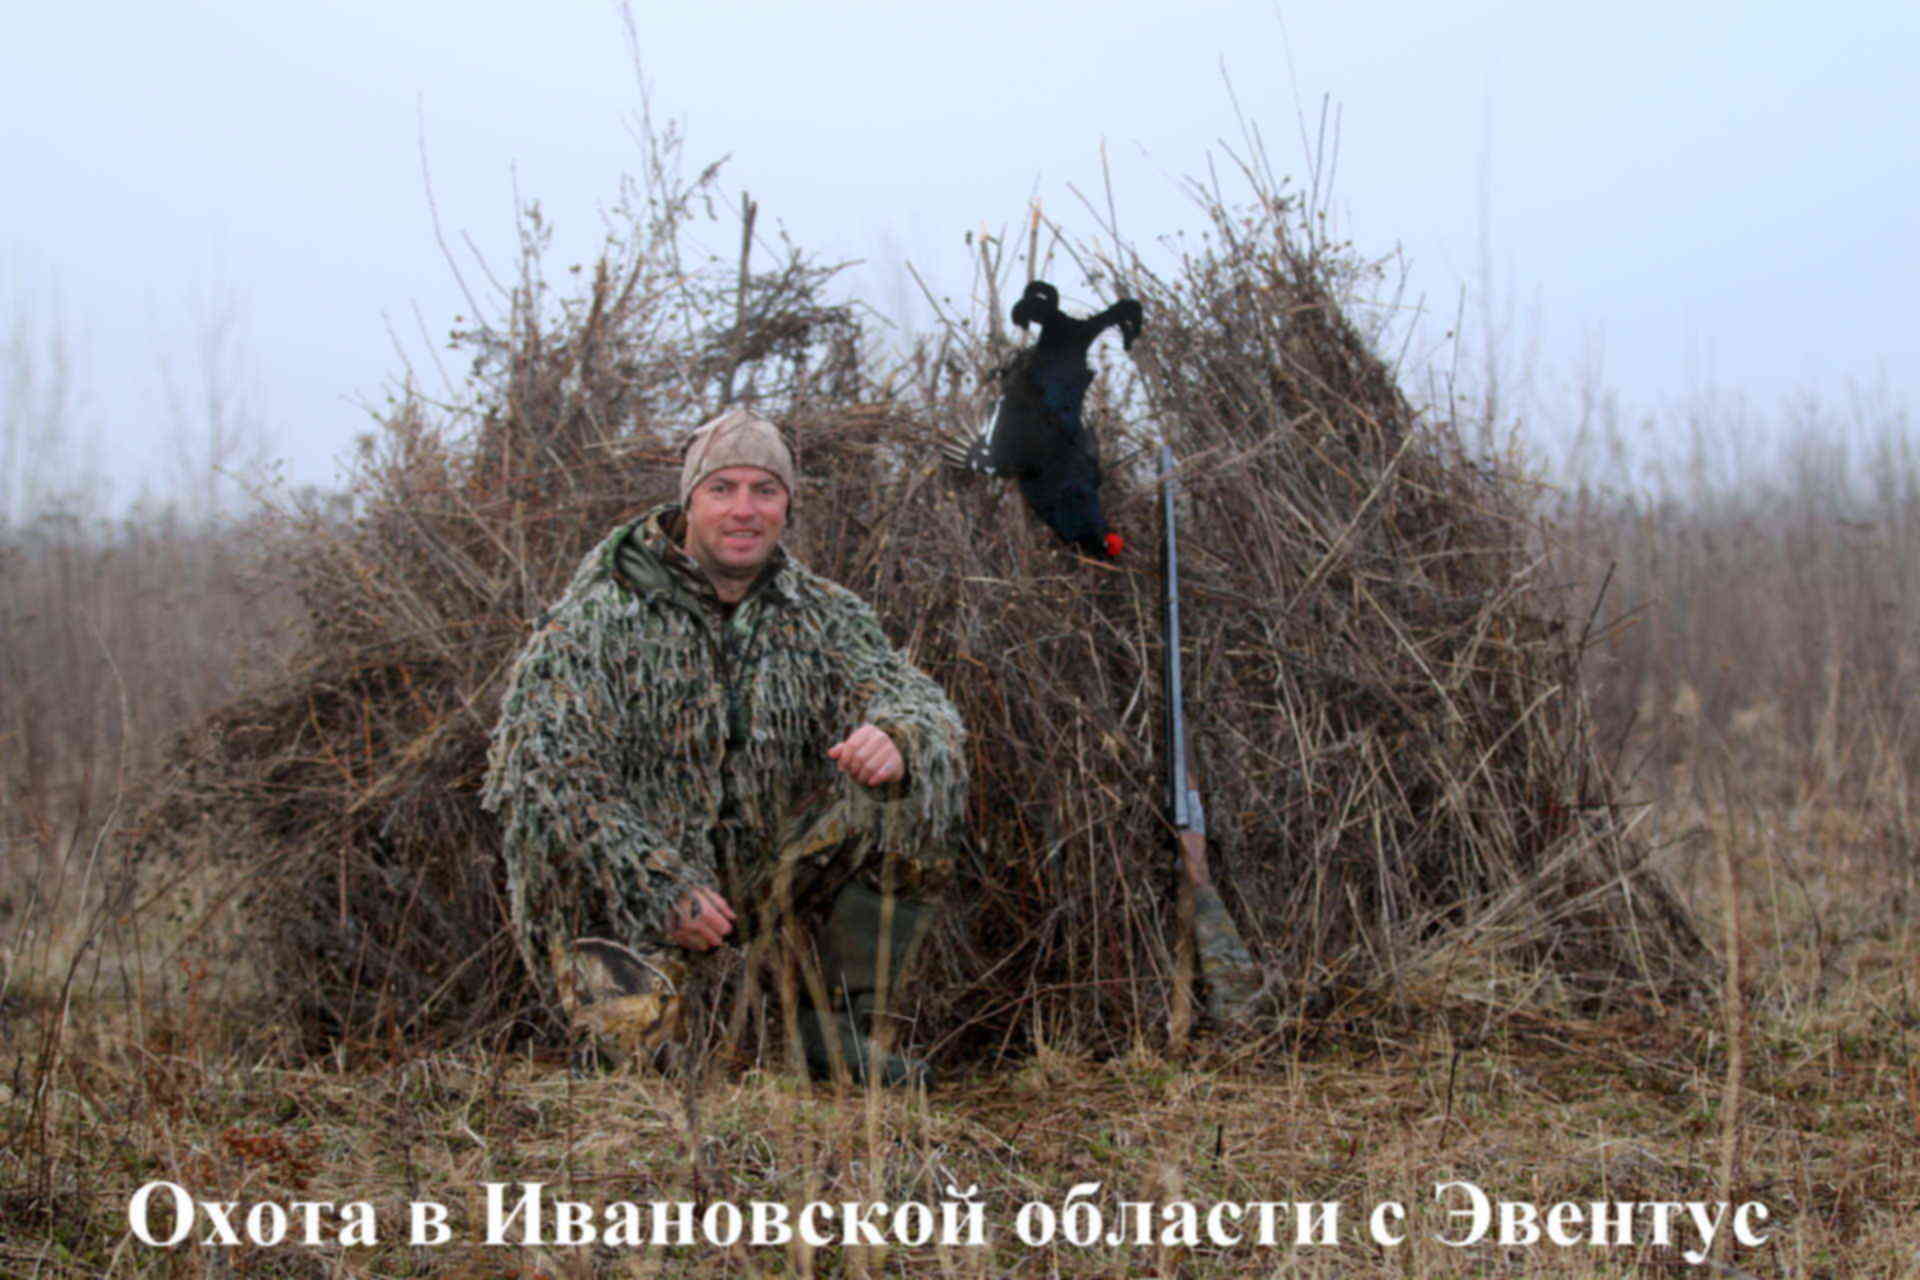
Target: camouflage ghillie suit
{"points": [[650, 741]]}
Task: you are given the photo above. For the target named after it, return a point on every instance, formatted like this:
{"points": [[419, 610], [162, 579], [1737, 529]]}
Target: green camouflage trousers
{"points": [[630, 996]]}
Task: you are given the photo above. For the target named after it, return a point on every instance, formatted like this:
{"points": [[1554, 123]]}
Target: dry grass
{"points": [[1408, 1054], [1762, 573], [119, 1072], [105, 631], [1528, 1107]]}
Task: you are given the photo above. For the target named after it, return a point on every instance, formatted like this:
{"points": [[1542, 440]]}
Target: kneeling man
{"points": [[704, 738]]}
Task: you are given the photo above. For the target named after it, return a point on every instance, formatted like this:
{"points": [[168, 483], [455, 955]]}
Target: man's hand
{"points": [[868, 756], [699, 920]]}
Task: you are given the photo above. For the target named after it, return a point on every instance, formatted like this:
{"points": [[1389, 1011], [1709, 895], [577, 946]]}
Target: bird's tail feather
{"points": [[970, 453]]}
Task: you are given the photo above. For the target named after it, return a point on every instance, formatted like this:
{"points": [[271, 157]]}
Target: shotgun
{"points": [[1209, 943]]}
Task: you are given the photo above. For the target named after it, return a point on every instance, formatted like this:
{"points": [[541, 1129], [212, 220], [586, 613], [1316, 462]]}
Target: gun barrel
{"points": [[1183, 796], [1211, 945]]}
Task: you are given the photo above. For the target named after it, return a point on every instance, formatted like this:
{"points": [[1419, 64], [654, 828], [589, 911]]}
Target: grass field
{"points": [[1776, 766], [1810, 1108]]}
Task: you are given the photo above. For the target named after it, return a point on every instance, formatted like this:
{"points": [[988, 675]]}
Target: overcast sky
{"points": [[1704, 192]]}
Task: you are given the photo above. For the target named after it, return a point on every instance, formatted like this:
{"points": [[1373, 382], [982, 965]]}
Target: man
{"points": [[705, 739]]}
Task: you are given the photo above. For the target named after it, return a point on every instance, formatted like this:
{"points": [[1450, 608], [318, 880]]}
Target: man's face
{"points": [[734, 520]]}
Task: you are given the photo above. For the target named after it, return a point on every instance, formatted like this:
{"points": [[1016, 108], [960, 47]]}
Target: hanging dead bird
{"points": [[1038, 435]]}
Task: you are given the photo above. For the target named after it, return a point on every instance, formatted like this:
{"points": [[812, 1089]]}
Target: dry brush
{"points": [[1403, 786]]}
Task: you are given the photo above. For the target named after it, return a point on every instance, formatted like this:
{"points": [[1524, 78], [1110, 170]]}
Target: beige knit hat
{"points": [[737, 438]]}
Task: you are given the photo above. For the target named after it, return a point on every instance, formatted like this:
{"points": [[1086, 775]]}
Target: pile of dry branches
{"points": [[1398, 770]]}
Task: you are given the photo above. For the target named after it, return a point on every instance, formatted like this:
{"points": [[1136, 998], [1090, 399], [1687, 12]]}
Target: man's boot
{"points": [[620, 1003], [862, 927]]}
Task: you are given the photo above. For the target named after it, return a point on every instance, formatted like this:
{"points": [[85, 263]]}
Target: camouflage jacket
{"points": [[644, 731]]}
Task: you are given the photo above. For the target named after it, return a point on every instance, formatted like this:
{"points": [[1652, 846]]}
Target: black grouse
{"points": [[1037, 434]]}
